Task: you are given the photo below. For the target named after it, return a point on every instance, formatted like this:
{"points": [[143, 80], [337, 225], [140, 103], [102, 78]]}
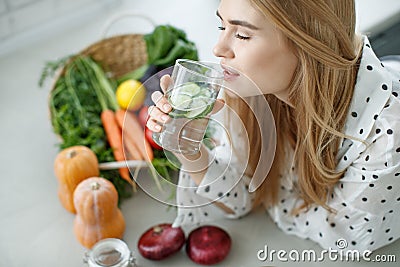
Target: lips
{"points": [[229, 73]]}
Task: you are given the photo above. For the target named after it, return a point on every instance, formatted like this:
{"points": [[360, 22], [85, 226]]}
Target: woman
{"points": [[336, 171]]}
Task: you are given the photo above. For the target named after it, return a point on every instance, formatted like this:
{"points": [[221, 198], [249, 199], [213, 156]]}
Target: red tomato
{"points": [[149, 138], [142, 116]]}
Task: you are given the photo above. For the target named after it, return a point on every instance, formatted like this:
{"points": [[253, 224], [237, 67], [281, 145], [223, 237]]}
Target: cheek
{"points": [[272, 70]]}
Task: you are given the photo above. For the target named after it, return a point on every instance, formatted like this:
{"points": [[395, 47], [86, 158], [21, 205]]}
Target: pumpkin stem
{"points": [[71, 154], [95, 186]]}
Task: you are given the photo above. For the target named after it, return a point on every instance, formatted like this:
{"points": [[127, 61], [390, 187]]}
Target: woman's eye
{"points": [[237, 35], [242, 37]]}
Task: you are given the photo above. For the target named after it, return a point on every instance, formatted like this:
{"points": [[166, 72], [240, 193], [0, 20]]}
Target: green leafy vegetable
{"points": [[50, 69], [166, 44], [75, 114]]}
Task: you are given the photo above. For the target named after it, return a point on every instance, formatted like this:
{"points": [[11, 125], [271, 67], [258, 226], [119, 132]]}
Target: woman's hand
{"points": [[196, 165], [158, 114]]}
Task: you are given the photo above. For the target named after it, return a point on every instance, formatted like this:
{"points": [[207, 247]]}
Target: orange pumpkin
{"points": [[72, 165], [98, 215]]}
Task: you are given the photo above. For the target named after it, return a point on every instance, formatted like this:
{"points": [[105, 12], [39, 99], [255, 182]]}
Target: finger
{"points": [[161, 102], [218, 105], [149, 112], [165, 82], [156, 114], [153, 126], [156, 96]]}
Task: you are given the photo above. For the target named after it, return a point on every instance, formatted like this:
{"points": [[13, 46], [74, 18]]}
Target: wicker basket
{"points": [[120, 54]]}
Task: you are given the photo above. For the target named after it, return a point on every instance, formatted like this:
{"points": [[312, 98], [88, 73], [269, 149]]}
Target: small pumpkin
{"points": [[71, 166], [97, 212]]}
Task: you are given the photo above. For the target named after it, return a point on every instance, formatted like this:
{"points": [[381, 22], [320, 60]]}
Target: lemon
{"points": [[131, 94]]}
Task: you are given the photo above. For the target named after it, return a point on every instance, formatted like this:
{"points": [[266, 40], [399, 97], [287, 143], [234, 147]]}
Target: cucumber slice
{"points": [[177, 114], [205, 93], [190, 89], [180, 101], [199, 108], [207, 110]]}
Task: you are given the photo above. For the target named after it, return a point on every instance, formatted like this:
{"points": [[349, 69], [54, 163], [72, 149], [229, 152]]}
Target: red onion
{"points": [[161, 241], [208, 245]]}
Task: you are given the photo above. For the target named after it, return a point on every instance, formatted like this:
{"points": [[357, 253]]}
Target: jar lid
{"points": [[109, 252]]}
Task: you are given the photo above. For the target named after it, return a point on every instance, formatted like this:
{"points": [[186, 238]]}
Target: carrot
{"points": [[131, 148], [113, 133], [133, 131], [114, 137], [132, 153], [124, 172], [108, 102]]}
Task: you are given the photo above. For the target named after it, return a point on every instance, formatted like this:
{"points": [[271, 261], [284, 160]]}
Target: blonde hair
{"points": [[322, 34]]}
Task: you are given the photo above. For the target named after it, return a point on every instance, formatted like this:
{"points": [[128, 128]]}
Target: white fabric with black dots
{"points": [[367, 198], [222, 182]]}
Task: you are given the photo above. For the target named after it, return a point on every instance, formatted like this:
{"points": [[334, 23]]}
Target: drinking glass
{"points": [[192, 93]]}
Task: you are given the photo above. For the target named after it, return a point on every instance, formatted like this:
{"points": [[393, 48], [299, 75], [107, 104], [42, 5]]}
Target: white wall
{"points": [[376, 15], [23, 21]]}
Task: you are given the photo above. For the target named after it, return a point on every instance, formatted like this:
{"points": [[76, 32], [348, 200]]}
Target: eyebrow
{"points": [[239, 22]]}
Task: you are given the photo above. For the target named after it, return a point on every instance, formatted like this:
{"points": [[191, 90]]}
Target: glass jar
{"points": [[109, 252]]}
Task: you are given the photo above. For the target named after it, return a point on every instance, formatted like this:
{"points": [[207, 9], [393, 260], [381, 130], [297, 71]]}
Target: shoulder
{"points": [[383, 142], [372, 124], [377, 160]]}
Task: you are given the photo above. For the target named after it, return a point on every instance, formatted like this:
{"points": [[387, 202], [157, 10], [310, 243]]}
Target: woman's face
{"points": [[252, 50]]}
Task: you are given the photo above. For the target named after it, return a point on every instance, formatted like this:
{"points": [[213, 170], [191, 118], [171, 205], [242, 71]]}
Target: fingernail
{"points": [[158, 127], [167, 107]]}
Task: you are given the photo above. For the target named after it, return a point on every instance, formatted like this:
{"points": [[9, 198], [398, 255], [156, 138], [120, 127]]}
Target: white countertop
{"points": [[34, 229]]}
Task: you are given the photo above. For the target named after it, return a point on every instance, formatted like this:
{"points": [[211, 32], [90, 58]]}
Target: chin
{"points": [[242, 87]]}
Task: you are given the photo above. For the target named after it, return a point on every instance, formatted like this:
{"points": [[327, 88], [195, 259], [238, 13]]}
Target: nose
{"points": [[223, 49]]}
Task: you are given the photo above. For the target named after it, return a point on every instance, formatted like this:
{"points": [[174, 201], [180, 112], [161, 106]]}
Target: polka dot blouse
{"points": [[367, 198]]}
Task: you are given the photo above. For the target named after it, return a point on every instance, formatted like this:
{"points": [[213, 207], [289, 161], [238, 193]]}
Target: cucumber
{"points": [[205, 93], [199, 108], [190, 89], [180, 101], [206, 111], [176, 114], [191, 101]]}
